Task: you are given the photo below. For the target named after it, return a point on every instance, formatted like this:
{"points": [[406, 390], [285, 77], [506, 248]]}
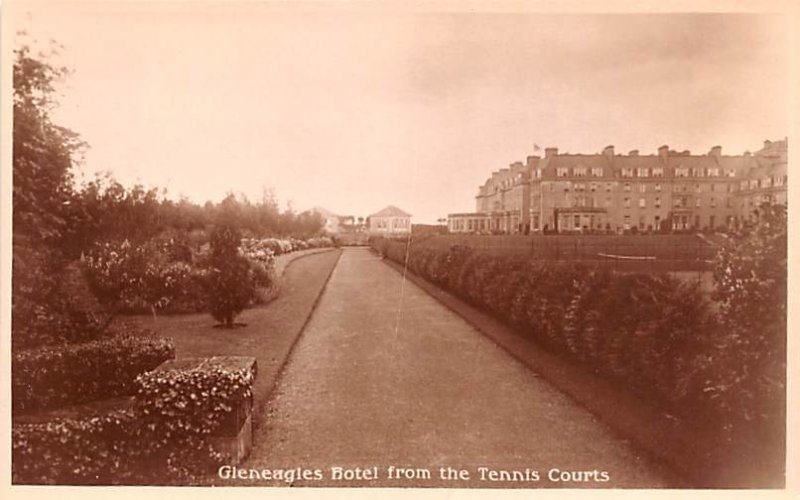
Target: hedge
{"points": [[66, 374], [160, 439], [643, 330]]}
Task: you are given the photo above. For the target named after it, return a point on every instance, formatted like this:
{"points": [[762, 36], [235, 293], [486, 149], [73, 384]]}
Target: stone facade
{"points": [[613, 193]]}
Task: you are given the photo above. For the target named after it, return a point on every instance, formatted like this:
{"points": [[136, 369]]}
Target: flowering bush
{"points": [[160, 439], [52, 376], [130, 277]]}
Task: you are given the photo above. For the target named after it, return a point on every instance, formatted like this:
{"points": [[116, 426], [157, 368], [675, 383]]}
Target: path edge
{"points": [[270, 395]]}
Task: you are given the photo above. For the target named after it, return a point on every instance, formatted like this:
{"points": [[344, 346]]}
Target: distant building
{"points": [[389, 221], [334, 223], [608, 192]]}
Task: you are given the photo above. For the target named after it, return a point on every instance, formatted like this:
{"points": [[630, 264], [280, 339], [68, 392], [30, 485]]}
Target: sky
{"points": [[354, 110]]}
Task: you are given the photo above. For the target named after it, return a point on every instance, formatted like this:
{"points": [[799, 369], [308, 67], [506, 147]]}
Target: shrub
{"points": [[51, 301], [230, 281], [59, 375], [131, 277], [162, 438]]}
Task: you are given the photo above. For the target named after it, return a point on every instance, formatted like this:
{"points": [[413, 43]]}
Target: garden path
{"points": [[384, 375]]}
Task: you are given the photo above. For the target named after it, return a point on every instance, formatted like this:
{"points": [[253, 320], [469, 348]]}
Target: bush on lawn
{"points": [[52, 376], [161, 439], [231, 282]]}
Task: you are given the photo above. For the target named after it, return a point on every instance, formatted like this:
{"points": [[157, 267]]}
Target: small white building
{"points": [[389, 221]]}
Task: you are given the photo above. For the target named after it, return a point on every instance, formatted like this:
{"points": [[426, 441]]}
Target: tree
{"points": [[43, 153], [230, 284], [43, 209], [748, 377]]}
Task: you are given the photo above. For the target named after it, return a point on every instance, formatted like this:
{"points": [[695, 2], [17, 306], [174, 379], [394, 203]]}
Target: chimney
{"points": [[608, 150], [548, 152], [767, 143], [663, 152], [748, 154], [634, 152], [716, 151]]}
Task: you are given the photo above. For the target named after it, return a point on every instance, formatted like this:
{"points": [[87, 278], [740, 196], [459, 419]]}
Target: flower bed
{"points": [[155, 277], [161, 439], [58, 375]]}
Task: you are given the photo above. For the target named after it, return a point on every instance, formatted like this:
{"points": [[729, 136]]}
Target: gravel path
{"points": [[384, 376]]}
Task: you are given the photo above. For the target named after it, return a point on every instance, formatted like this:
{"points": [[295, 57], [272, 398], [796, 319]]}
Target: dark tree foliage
{"points": [[47, 297], [230, 285], [43, 154]]}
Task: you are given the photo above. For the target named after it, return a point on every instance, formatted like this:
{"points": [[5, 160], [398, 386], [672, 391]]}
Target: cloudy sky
{"points": [[353, 110]]}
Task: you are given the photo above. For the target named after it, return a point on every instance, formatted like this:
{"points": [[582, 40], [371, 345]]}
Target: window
{"points": [[627, 172], [779, 180], [642, 187], [658, 188], [579, 186], [608, 201], [730, 172], [713, 172], [697, 202], [754, 184], [658, 172], [626, 203], [697, 172], [537, 173], [677, 202], [597, 171], [593, 187], [608, 187], [681, 172], [562, 172], [579, 171], [676, 188], [643, 172], [713, 203], [697, 188], [658, 202], [627, 187], [642, 203], [743, 186], [728, 203], [626, 222]]}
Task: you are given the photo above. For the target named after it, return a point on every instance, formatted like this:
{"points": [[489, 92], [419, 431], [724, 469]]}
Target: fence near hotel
{"points": [[634, 253]]}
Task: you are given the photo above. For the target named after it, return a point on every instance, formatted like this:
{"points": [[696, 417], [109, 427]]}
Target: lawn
{"points": [[270, 331]]}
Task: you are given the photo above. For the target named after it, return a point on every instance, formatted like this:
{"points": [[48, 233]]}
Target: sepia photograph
{"points": [[338, 246]]}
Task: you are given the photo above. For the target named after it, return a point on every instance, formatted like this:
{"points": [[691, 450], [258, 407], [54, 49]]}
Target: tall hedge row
{"points": [[654, 334]]}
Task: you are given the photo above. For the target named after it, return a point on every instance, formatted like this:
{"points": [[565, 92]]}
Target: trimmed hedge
{"points": [[643, 330], [66, 374], [161, 439]]}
